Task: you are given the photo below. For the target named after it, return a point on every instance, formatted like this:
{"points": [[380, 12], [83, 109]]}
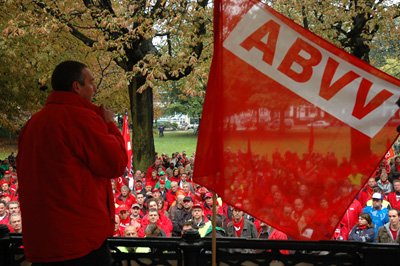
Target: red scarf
{"points": [[238, 226], [362, 227]]}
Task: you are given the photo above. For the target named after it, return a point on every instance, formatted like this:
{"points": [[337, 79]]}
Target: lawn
{"points": [[6, 147], [176, 141], [173, 141]]}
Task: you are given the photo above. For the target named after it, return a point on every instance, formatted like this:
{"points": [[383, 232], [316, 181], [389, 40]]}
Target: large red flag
{"points": [[271, 82]]}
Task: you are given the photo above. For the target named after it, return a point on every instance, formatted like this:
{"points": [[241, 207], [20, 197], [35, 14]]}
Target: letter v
{"points": [[327, 91], [360, 109]]}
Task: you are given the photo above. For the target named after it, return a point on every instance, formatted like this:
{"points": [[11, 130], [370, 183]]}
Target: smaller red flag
{"points": [[127, 139]]}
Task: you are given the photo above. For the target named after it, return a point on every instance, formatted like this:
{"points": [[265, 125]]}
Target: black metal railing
{"points": [[191, 250]]}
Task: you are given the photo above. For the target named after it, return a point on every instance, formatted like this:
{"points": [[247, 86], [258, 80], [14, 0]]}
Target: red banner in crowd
{"points": [[127, 139], [288, 119]]}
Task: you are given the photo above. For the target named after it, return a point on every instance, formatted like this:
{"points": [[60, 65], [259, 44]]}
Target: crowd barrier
{"points": [[191, 250]]}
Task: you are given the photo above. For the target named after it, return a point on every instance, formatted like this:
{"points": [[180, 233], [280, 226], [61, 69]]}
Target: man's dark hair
{"points": [[190, 223], [218, 220], [65, 74]]}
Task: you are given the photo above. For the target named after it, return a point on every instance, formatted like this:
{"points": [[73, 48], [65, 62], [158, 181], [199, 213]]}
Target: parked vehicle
{"points": [[319, 124]]}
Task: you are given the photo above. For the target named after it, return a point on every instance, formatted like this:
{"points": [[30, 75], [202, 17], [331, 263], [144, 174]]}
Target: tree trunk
{"points": [[142, 125], [361, 50]]}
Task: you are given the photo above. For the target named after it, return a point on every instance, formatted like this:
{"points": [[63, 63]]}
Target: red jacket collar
{"points": [[70, 98]]}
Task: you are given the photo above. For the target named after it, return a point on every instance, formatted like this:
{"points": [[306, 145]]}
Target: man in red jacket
{"points": [[394, 197], [82, 150]]}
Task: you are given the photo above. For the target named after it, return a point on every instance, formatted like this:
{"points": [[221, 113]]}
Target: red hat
{"points": [[122, 208], [208, 195], [238, 205], [3, 182], [2, 194], [197, 206], [162, 181], [156, 190], [7, 172]]}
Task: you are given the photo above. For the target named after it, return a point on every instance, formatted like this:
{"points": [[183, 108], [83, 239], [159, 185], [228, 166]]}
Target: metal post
{"points": [[191, 246], [4, 245]]}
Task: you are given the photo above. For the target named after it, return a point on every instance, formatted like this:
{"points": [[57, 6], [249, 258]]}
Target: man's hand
{"points": [[108, 114]]}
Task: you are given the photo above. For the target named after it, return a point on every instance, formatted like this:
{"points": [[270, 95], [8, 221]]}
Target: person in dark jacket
{"points": [[363, 231], [390, 231], [182, 216], [219, 231], [241, 227]]}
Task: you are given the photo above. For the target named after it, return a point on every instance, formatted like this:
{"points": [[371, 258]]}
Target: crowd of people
{"points": [[164, 201]]}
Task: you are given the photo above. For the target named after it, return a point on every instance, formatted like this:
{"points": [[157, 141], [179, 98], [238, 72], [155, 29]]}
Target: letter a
{"points": [[271, 28], [293, 56], [360, 109]]}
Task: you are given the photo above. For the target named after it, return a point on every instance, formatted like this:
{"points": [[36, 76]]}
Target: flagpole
{"points": [[214, 231]]}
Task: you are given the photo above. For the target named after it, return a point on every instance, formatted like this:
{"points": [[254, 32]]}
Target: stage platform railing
{"points": [[191, 250]]}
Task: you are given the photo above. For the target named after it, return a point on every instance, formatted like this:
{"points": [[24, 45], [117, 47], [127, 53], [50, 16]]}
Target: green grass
{"points": [[6, 148], [176, 141]]}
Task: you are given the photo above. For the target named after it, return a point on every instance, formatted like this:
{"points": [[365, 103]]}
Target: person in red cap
{"points": [[5, 197], [7, 176], [124, 219], [136, 218], [208, 205], [5, 187], [125, 197], [156, 193], [200, 220], [82, 150]]}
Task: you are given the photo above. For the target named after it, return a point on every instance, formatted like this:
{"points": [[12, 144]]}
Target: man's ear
{"points": [[76, 87]]}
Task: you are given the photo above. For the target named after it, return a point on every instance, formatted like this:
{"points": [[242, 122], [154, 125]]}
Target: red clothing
{"points": [[137, 223], [365, 195], [129, 201], [68, 151], [208, 210], [190, 194], [393, 200], [277, 235], [152, 182], [123, 224], [5, 219], [151, 168], [341, 233], [163, 222], [350, 218], [171, 196]]}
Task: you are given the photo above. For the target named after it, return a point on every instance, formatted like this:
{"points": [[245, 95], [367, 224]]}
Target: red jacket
{"points": [[350, 218], [393, 200], [364, 196], [68, 151], [208, 210], [129, 201], [163, 222]]}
